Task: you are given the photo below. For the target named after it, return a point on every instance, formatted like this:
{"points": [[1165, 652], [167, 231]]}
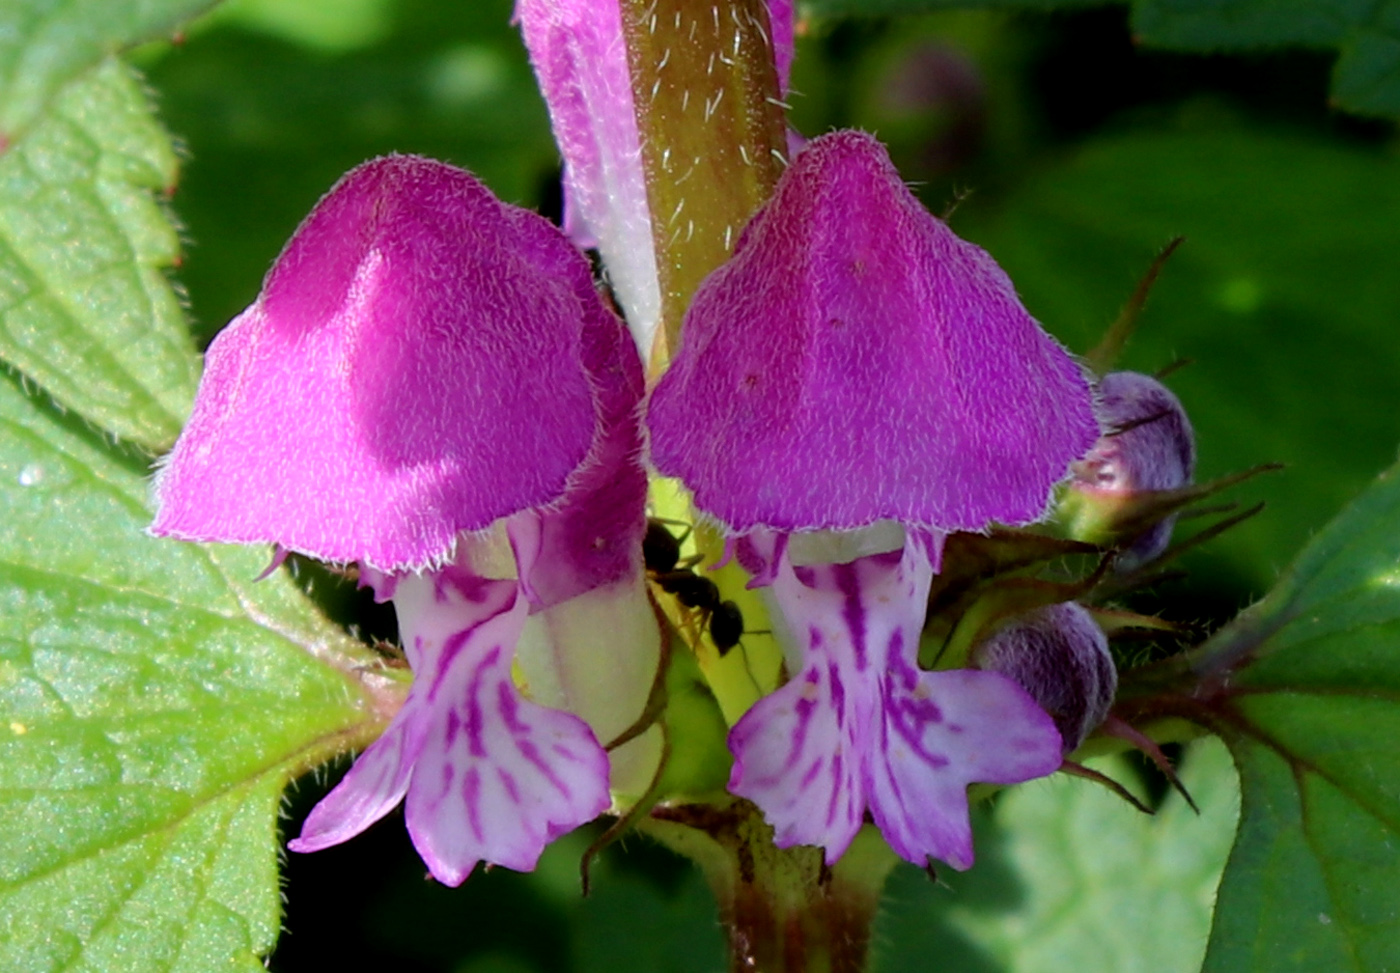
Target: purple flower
{"points": [[855, 383], [429, 385], [580, 58]]}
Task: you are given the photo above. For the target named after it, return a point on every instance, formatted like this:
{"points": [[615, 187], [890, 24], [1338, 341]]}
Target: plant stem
{"points": [[784, 910], [713, 135]]}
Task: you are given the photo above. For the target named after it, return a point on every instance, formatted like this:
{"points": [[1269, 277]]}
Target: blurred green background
{"points": [[1075, 157]]}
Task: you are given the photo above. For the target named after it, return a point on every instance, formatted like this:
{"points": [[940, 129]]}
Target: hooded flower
{"points": [[429, 385], [854, 384]]}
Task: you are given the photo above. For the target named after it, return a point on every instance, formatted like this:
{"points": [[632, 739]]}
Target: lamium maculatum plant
{"points": [[852, 386], [748, 509]]}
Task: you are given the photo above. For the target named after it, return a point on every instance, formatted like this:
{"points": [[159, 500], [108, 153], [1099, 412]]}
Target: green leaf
{"points": [[45, 44], [1274, 297], [1366, 34], [1070, 878], [1305, 690], [85, 309], [153, 703], [1105, 886]]}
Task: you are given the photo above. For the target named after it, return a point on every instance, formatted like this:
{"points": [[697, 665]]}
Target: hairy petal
{"points": [[861, 727], [780, 22], [502, 777], [940, 732], [372, 787], [593, 537], [855, 361], [580, 59], [414, 340], [491, 776]]}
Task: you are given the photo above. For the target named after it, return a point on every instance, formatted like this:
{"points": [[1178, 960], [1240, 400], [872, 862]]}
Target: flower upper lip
{"points": [[415, 338], [855, 362]]}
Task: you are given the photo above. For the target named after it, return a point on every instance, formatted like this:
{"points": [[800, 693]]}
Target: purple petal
{"points": [[580, 59], [780, 22], [372, 787], [412, 369], [855, 361], [861, 726], [499, 777], [592, 538], [941, 732], [490, 776]]}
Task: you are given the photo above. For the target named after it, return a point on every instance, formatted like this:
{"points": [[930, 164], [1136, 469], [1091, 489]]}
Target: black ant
{"points": [[661, 551]]}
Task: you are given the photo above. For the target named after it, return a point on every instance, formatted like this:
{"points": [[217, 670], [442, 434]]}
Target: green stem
{"points": [[784, 910], [713, 135]]}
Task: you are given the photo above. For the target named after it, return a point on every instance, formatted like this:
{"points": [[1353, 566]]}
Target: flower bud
{"points": [[1147, 446], [1058, 655]]}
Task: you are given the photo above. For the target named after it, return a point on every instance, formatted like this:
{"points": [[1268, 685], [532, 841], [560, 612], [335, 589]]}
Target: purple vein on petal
{"points": [[842, 737], [514, 799]]}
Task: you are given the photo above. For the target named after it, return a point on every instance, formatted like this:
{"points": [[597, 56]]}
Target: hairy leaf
{"points": [[1305, 690], [44, 44], [153, 703], [85, 309]]}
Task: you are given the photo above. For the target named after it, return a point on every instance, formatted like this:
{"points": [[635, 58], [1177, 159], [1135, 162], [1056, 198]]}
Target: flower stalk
{"points": [[713, 135], [784, 909]]}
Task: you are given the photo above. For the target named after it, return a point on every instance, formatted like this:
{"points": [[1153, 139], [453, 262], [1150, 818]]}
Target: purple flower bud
{"points": [[1060, 656], [1147, 445]]}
